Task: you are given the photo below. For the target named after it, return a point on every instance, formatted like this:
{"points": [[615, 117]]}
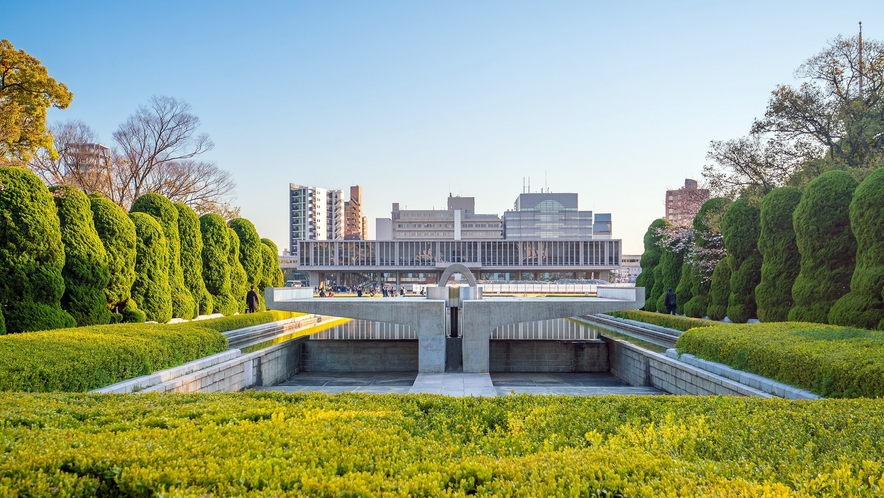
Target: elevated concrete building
{"points": [[458, 222], [684, 203], [547, 215], [314, 214]]}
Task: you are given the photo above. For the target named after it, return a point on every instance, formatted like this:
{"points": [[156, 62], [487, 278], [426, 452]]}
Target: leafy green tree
{"points": [[164, 211], [151, 291], [250, 253], [86, 273], [719, 290], [26, 91], [215, 261], [192, 258], [863, 306], [31, 254], [668, 271], [117, 233], [649, 261], [708, 250], [272, 271], [740, 228], [780, 259], [239, 280], [826, 244]]}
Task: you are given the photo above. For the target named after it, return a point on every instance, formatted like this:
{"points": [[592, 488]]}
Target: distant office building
{"points": [[630, 268], [683, 204], [458, 222], [546, 215], [354, 228], [315, 214]]}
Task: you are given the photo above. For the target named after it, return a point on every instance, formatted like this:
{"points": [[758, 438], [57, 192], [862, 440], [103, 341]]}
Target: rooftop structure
{"points": [[547, 215], [458, 222]]}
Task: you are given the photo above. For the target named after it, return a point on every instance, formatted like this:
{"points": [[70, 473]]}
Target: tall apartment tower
{"points": [[682, 205], [315, 214], [355, 224]]}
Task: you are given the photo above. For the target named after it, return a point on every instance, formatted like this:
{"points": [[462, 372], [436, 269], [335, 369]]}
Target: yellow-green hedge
{"points": [[85, 358], [233, 322], [272, 444], [669, 321], [832, 361]]}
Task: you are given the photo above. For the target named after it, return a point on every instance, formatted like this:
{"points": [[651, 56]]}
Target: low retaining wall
{"points": [[359, 356], [548, 356], [640, 367]]}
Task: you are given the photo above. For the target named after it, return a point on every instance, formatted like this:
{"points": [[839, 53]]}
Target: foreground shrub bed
{"points": [[84, 358], [832, 361], [669, 321], [270, 444]]}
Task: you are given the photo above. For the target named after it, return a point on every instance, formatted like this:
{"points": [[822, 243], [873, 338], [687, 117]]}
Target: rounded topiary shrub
{"points": [[251, 256], [683, 292], [117, 233], [192, 259], [649, 261], [272, 271], [131, 313], [239, 281], [31, 254], [740, 227], [826, 244], [719, 290], [668, 271], [863, 306], [151, 291], [86, 273], [164, 211], [215, 261], [2, 322], [708, 251], [780, 259]]}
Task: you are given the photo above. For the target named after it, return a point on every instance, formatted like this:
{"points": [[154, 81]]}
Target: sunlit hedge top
{"points": [[117, 233]]}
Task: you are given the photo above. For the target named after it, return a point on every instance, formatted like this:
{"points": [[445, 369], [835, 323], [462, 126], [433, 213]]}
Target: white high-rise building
{"points": [[315, 214]]}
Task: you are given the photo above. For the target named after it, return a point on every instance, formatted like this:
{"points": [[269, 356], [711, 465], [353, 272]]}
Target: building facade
{"points": [[683, 204], [355, 224], [546, 215], [458, 222], [315, 214]]}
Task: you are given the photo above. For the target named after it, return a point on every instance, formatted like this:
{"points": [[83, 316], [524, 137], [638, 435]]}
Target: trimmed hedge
{"points": [[239, 281], [165, 213], [740, 228], [780, 258], [649, 261], [234, 322], [669, 321], [832, 361], [272, 271], [826, 244], [707, 243], [31, 254], [215, 261], [863, 306], [151, 291], [192, 259], [251, 256], [275, 444], [117, 233], [719, 290], [87, 358], [86, 273]]}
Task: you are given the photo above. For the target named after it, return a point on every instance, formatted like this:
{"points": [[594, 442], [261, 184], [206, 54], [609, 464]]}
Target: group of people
{"points": [[385, 290]]}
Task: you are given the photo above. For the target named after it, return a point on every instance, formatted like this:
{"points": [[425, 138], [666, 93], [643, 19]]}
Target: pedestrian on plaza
{"points": [[252, 300], [670, 302]]}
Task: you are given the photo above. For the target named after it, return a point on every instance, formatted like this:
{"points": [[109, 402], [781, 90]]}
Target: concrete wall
{"points": [[359, 356], [640, 367], [548, 356]]}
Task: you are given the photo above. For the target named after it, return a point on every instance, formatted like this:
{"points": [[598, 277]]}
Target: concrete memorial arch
{"points": [[457, 268]]}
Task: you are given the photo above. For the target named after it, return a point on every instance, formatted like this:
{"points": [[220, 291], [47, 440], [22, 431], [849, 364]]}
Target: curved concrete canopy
{"points": [[457, 268]]}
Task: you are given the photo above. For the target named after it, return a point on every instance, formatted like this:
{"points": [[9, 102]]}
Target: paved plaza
{"points": [[460, 384]]}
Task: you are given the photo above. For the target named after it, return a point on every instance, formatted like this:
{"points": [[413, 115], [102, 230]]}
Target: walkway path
{"points": [[460, 384]]}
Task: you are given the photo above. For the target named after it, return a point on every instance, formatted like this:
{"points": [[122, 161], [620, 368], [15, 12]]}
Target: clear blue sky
{"points": [[616, 101]]}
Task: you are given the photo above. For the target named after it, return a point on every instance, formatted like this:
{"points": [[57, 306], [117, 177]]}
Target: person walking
{"points": [[670, 302], [252, 300]]}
